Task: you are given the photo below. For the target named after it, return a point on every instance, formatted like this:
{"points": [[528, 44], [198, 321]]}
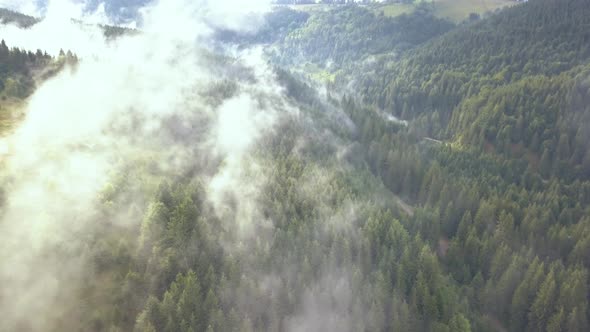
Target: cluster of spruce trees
{"points": [[504, 195]]}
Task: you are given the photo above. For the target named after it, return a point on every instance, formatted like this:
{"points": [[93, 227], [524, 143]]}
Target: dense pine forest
{"points": [[334, 169]]}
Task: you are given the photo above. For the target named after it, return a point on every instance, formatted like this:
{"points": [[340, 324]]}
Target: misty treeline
{"points": [[20, 68], [505, 200], [348, 34], [494, 233], [504, 197], [318, 255], [9, 17], [12, 17]]}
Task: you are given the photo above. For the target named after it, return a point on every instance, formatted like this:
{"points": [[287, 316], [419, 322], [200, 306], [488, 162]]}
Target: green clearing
{"points": [[459, 10], [393, 10], [310, 8], [454, 10]]}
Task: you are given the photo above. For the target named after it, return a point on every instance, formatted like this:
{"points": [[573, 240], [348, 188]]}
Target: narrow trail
{"points": [[433, 140], [408, 209]]}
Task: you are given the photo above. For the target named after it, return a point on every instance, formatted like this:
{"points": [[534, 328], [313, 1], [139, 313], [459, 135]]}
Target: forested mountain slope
{"points": [[438, 181], [20, 73], [513, 82], [451, 79], [177, 263], [16, 66], [544, 37], [508, 95], [351, 33]]}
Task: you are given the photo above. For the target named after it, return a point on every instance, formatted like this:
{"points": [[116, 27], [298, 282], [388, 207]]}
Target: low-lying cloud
{"points": [[164, 95], [138, 95]]}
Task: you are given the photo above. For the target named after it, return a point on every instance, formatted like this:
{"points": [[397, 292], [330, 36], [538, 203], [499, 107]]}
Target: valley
{"points": [[380, 167]]}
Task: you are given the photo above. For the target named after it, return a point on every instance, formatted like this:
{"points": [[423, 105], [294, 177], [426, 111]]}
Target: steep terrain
{"points": [[335, 170], [508, 94]]}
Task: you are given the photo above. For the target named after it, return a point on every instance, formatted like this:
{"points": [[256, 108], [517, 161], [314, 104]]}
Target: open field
{"points": [[310, 8], [459, 10], [454, 10], [392, 10]]}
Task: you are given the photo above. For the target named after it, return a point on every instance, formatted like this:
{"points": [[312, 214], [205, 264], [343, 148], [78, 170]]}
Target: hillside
{"points": [[328, 43], [507, 97], [459, 10], [504, 51], [453, 10], [339, 169]]}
